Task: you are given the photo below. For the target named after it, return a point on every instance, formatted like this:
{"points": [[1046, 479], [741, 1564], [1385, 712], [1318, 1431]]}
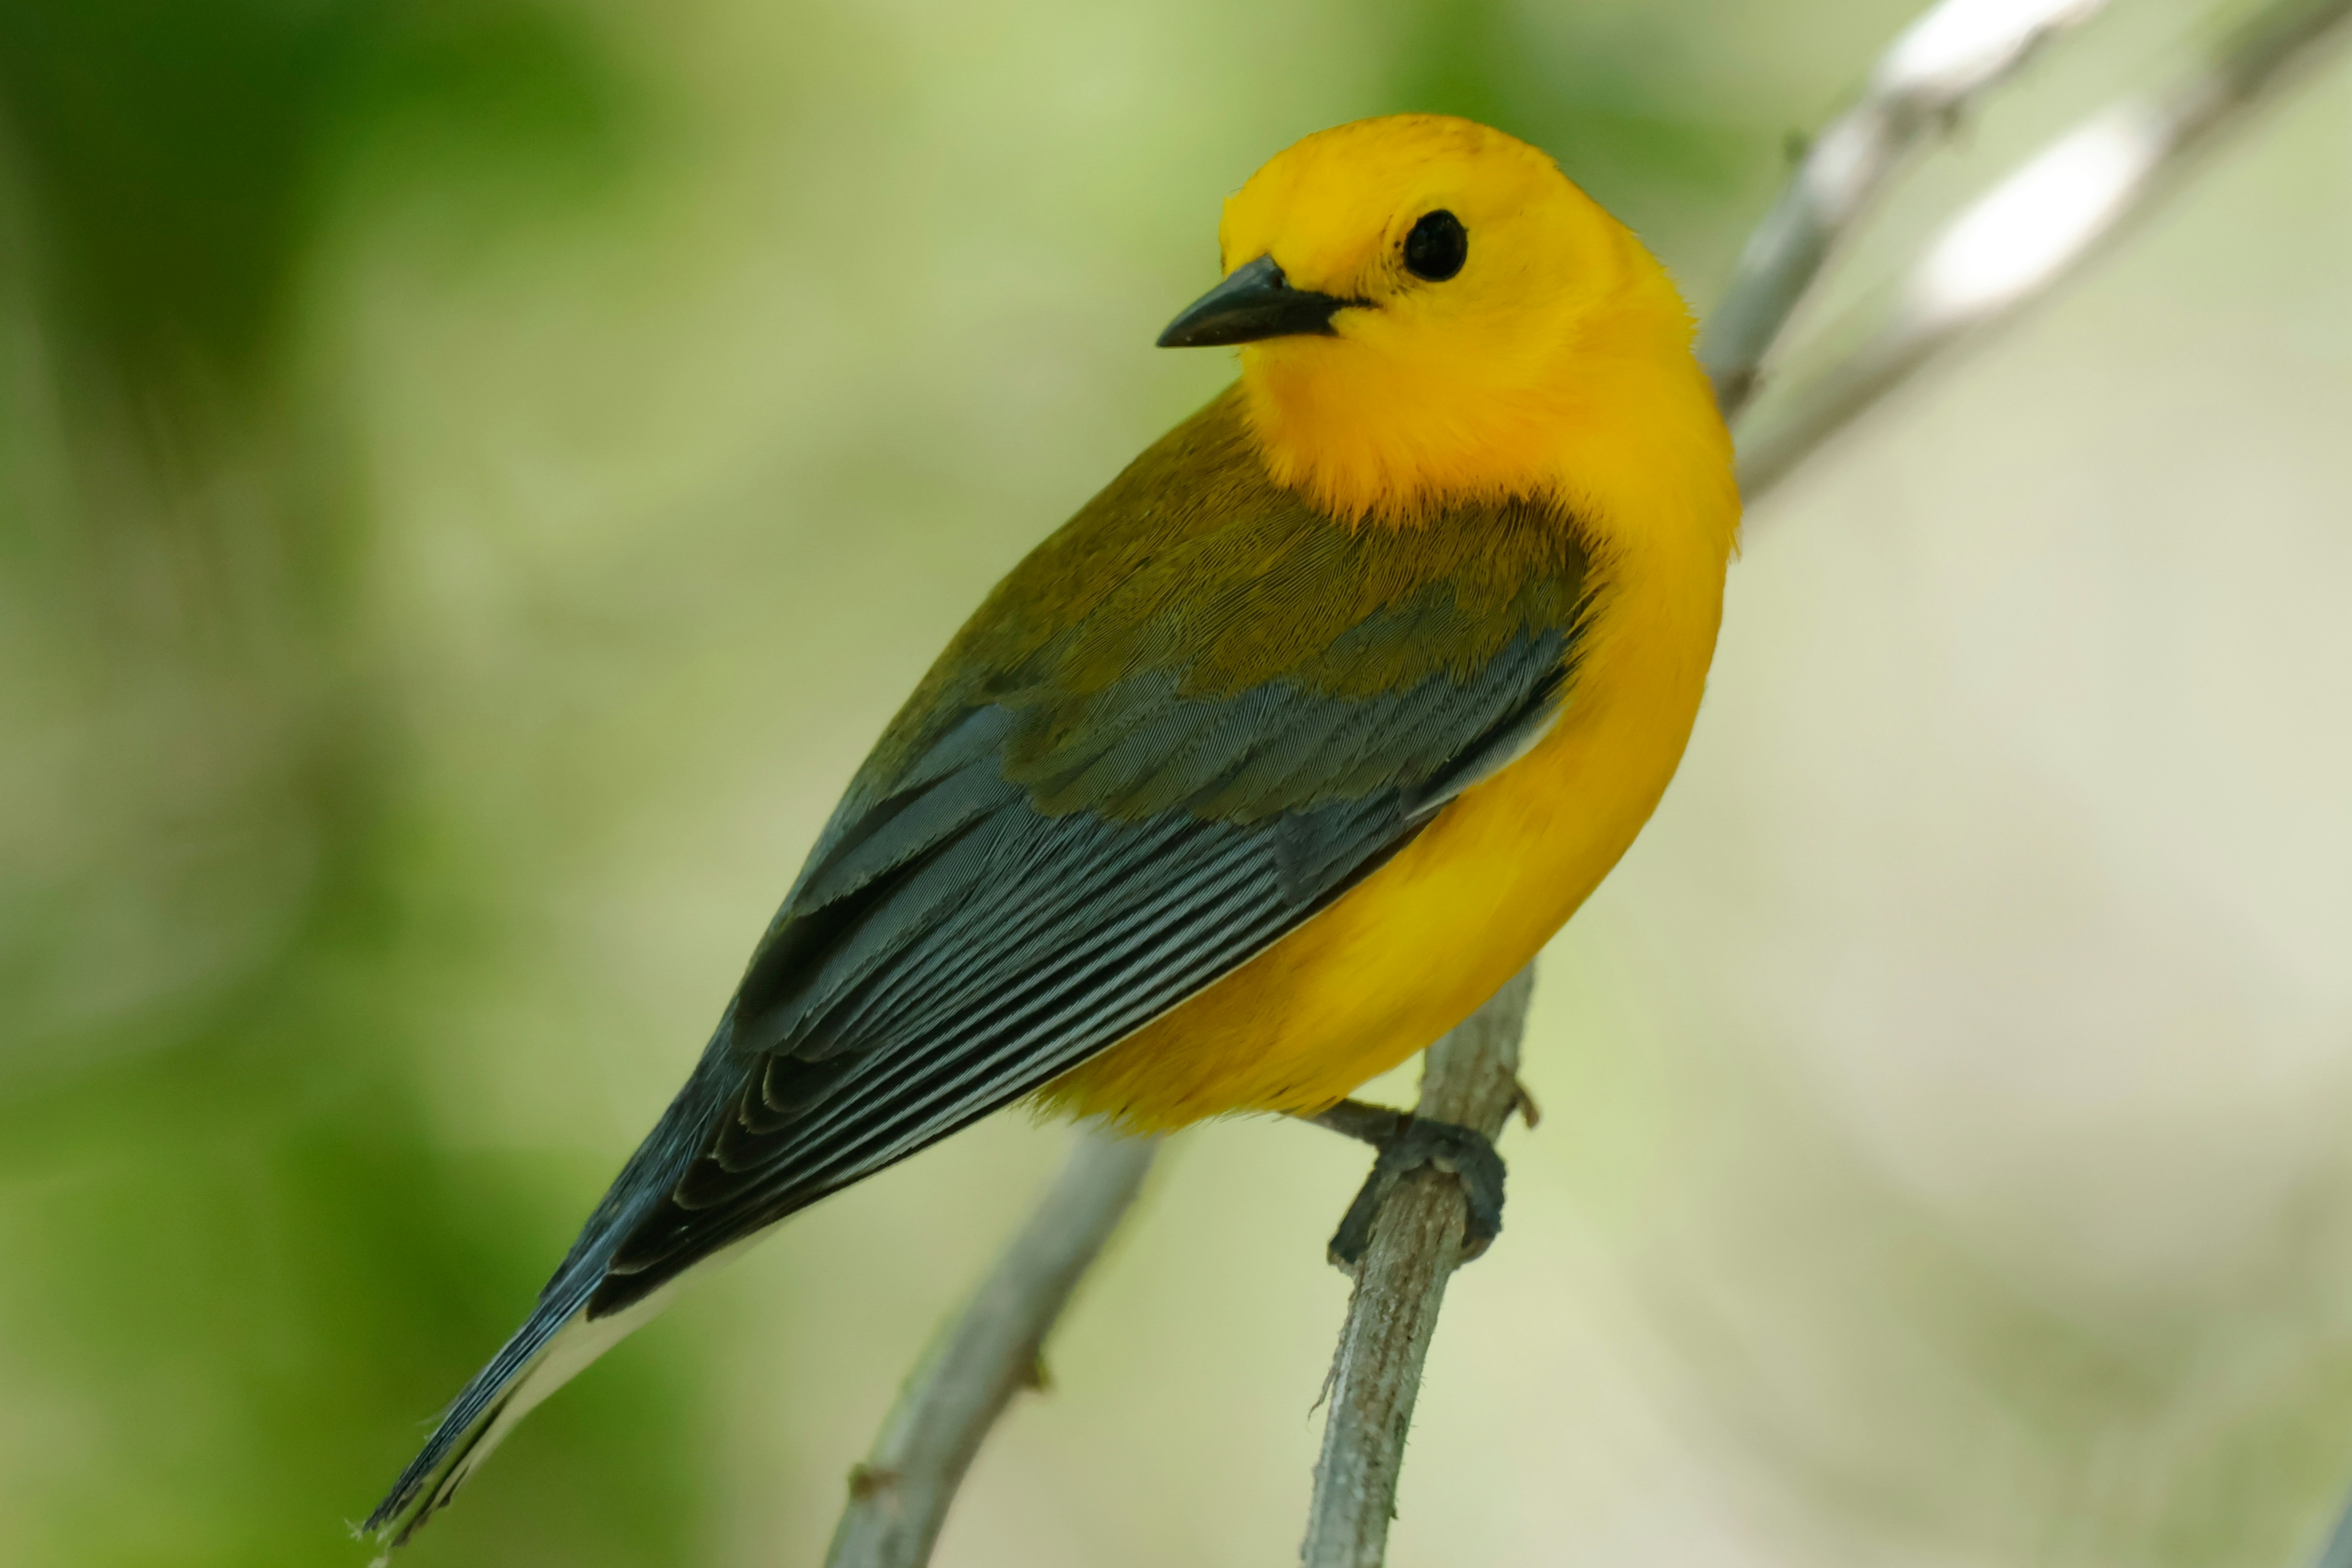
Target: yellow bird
{"points": [[1267, 768]]}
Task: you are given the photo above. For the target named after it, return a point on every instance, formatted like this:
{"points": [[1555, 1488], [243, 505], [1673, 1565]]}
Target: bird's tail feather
{"points": [[561, 1337], [557, 1341]]}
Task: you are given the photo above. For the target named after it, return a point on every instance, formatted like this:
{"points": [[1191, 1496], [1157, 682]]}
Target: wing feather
{"points": [[1014, 944], [1126, 777]]}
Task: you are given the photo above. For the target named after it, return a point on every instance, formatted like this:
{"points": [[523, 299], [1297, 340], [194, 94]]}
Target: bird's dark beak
{"points": [[1255, 301]]}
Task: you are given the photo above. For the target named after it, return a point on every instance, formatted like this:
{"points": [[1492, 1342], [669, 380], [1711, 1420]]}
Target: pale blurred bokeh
{"points": [[473, 479]]}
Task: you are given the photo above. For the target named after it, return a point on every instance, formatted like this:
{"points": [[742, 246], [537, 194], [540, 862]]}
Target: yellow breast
{"points": [[1420, 943], [1632, 444]]}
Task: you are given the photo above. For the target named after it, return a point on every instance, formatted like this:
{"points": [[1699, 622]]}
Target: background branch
{"points": [[2005, 251], [899, 1498], [1944, 64], [2033, 230]]}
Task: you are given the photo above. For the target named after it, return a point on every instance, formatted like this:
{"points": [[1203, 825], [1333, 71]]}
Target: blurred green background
{"points": [[474, 476]]}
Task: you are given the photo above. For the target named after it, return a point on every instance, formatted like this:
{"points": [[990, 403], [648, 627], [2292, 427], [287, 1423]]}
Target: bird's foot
{"points": [[1407, 1142]]}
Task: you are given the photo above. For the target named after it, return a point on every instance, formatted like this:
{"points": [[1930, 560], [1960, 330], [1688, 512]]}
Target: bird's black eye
{"points": [[1437, 247]]}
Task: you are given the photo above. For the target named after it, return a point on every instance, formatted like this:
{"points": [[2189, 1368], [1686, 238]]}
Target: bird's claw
{"points": [[1407, 1143]]}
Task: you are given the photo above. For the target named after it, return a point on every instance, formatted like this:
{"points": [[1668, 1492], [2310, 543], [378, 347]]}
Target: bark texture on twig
{"points": [[2032, 231], [1944, 62], [1470, 1078], [899, 1498]]}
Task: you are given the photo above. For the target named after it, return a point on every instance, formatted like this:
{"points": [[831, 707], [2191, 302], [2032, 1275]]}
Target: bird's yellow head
{"points": [[1430, 311]]}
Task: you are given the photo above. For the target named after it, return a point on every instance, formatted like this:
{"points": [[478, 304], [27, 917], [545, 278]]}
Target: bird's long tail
{"points": [[561, 1337], [558, 1340]]}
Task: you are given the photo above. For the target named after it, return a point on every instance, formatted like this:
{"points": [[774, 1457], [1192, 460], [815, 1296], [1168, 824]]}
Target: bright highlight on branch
{"points": [[1935, 72], [1956, 45], [2031, 226]]}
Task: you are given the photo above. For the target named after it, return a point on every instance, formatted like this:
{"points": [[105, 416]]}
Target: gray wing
{"points": [[953, 943]]}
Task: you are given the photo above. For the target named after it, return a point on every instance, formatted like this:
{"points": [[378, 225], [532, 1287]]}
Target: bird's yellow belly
{"points": [[1418, 945]]}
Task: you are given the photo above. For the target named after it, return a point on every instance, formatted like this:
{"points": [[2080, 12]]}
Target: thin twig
{"points": [[1471, 1078], [2035, 228], [899, 1498], [1943, 64]]}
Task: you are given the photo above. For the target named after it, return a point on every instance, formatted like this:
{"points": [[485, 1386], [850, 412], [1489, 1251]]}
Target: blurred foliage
{"points": [[1621, 103], [474, 474], [239, 1255], [183, 159]]}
